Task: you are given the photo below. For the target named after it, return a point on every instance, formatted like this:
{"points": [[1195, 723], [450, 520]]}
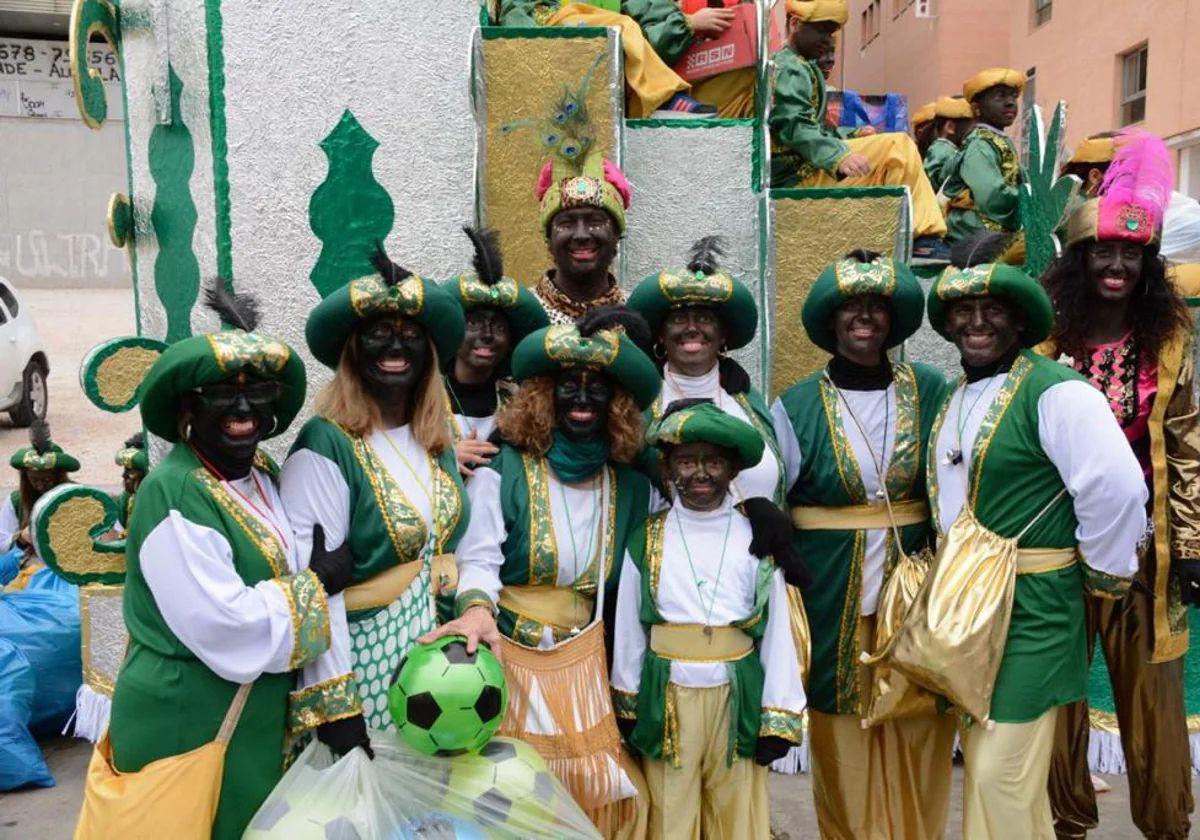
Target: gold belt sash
{"points": [[697, 643], [1036, 561], [860, 517], [387, 586], [556, 606]]}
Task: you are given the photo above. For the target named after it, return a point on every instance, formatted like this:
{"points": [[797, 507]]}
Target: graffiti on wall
{"points": [[50, 255]]}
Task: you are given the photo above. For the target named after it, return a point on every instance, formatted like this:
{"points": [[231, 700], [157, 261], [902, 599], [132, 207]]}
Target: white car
{"points": [[23, 363]]}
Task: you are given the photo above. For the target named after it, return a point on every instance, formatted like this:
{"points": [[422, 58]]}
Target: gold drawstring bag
{"points": [[173, 797], [952, 640]]}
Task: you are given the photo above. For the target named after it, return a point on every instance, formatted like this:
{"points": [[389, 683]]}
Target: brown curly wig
{"points": [[1156, 311], [527, 420]]}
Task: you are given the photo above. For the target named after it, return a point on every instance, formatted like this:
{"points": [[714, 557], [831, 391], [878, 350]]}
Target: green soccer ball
{"points": [[505, 784], [446, 701]]}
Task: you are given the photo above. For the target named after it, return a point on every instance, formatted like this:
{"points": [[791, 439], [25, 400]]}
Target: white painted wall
{"points": [[56, 176]]}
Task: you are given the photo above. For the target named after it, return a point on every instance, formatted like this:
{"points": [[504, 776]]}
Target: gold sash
{"points": [[556, 606], [389, 585], [1036, 561], [696, 643], [860, 517]]}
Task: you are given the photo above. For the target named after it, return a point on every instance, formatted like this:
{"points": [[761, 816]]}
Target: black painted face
{"points": [[42, 480], [996, 106], [826, 62], [583, 242], [393, 352], [983, 328], [692, 337], [813, 40], [1114, 269], [486, 343], [230, 418], [130, 479], [701, 473], [581, 400], [861, 326]]}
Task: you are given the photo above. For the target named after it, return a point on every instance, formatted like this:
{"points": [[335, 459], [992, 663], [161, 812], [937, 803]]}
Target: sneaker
{"points": [[930, 249], [682, 106]]}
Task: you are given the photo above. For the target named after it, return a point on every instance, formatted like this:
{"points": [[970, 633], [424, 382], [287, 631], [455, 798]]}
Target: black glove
{"points": [[626, 725], [343, 735], [795, 571], [770, 527], [1188, 572], [771, 748], [333, 568], [732, 376]]}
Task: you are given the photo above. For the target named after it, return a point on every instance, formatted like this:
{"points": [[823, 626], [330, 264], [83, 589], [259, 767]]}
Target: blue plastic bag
{"points": [[42, 621], [10, 565], [21, 762]]}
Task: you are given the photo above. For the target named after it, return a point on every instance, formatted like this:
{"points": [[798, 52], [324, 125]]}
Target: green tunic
{"points": [[982, 184], [1045, 657], [938, 158], [530, 546], [746, 676], [662, 21], [124, 502], [830, 477], [801, 143], [167, 701]]}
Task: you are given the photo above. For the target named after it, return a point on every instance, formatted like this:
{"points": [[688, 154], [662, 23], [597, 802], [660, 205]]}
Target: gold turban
{"points": [[1094, 150], [815, 11], [953, 108], [985, 79], [923, 114]]}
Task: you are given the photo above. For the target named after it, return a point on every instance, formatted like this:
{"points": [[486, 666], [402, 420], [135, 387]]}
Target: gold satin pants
{"points": [[895, 162], [704, 798], [889, 781], [651, 81], [1153, 725], [731, 93], [1004, 780]]}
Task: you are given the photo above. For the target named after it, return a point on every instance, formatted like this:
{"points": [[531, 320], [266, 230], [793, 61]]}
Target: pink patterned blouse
{"points": [[1129, 380]]}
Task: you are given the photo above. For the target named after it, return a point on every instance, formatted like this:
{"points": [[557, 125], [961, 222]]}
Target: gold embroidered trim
{"points": [[843, 453], [991, 422], [543, 545], [259, 534], [306, 602], [323, 702], [782, 723], [625, 704]]}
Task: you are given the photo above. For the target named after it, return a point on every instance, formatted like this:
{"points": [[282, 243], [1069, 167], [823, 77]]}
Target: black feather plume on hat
{"points": [[488, 261], [706, 253], [239, 311], [39, 436], [137, 441], [391, 273], [984, 246], [617, 317]]}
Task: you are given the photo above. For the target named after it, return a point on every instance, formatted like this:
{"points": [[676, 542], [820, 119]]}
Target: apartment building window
{"points": [[899, 7], [870, 21], [1042, 9], [1133, 85]]}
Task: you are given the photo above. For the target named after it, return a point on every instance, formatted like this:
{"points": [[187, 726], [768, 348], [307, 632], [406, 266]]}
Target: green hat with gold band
{"points": [[609, 350], [42, 453], [703, 422], [993, 280], [394, 291], [205, 359], [848, 278], [487, 287], [702, 283], [132, 456]]}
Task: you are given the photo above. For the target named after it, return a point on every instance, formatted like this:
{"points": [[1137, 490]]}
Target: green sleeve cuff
{"points": [[782, 723], [473, 598], [624, 704], [1104, 585], [323, 702], [310, 616]]}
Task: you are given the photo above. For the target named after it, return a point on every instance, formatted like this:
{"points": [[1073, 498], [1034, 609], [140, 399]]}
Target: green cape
{"points": [[848, 278], [993, 280], [554, 348], [658, 294], [705, 423]]}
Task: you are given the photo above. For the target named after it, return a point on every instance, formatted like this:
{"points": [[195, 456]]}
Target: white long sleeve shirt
{"points": [[10, 524]]}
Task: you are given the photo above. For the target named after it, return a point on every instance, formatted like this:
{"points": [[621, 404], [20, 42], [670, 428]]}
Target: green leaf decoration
{"points": [[173, 217], [350, 212], [88, 18], [66, 524], [1044, 197]]}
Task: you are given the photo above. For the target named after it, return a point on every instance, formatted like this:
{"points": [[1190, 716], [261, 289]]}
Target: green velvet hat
{"points": [[204, 359], [487, 286], [42, 453], [133, 455], [702, 283], [705, 423], [394, 291], [849, 278], [993, 280], [561, 346]]}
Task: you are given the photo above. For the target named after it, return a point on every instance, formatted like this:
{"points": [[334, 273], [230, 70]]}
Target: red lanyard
{"points": [[268, 519]]}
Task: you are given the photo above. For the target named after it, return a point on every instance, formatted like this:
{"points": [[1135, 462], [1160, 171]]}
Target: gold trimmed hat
{"points": [[991, 77], [993, 280], [815, 11], [924, 114], [1132, 199], [953, 108], [1094, 149]]}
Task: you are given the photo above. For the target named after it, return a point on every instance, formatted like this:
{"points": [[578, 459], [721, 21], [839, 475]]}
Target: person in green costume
{"points": [[42, 466], [499, 312], [952, 122], [134, 465], [982, 181], [376, 469], [551, 516], [1026, 450], [216, 592], [706, 669], [853, 436]]}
